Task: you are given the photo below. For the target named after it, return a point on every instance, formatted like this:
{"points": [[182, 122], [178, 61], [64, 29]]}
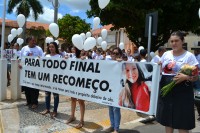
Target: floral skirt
{"points": [[176, 109]]}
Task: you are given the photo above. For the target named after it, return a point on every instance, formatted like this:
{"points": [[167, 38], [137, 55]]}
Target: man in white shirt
{"points": [[18, 52], [161, 51], [31, 50]]}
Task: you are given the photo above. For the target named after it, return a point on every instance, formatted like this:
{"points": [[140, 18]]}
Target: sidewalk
{"points": [[17, 118]]}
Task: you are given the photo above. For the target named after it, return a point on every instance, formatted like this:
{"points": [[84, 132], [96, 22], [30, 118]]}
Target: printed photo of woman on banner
{"points": [[136, 83]]}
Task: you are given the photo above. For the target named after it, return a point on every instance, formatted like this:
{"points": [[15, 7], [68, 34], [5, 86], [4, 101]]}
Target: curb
{"points": [[1, 124]]}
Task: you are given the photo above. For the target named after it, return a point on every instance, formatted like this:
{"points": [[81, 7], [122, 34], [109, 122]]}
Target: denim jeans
{"points": [[115, 117], [197, 85], [48, 100]]}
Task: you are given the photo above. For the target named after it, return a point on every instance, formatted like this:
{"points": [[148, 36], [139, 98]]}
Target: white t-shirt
{"points": [[130, 58], [99, 57], [35, 51], [94, 55], [156, 59], [63, 54], [143, 60], [54, 56], [108, 57], [176, 62], [18, 54]]}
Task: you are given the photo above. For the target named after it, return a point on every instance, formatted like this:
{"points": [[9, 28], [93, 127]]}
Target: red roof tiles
{"points": [[12, 23]]}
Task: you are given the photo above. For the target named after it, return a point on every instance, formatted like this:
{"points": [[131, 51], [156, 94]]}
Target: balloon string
{"points": [[99, 13], [100, 19]]}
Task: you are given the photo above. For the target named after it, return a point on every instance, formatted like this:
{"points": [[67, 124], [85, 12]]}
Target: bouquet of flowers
{"points": [[185, 69]]}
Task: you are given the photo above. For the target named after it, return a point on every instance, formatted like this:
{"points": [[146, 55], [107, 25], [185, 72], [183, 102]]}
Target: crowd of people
{"points": [[175, 111]]}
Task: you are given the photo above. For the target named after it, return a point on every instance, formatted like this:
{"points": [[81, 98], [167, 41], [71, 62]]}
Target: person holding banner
{"points": [[114, 112], [52, 52], [18, 52], [176, 109], [136, 93], [74, 100], [31, 50], [8, 57]]}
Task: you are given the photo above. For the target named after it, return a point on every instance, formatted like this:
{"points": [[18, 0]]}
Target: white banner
{"points": [[120, 84]]}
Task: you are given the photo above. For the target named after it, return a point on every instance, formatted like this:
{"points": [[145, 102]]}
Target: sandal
{"points": [[71, 119], [34, 106], [80, 125], [45, 112], [53, 114]]}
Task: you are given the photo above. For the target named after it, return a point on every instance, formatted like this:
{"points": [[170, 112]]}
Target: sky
{"points": [[72, 7]]}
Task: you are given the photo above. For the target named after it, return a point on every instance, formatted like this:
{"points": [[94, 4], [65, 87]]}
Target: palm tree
{"points": [[24, 7]]}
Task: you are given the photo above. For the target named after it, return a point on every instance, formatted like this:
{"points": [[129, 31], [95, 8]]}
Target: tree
{"points": [[70, 25], [172, 15], [24, 7]]}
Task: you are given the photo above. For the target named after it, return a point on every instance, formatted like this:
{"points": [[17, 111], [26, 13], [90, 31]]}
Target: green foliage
{"points": [[24, 7], [172, 16], [70, 25]]}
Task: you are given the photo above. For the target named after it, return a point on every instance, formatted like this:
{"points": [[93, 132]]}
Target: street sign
{"points": [[154, 16]]}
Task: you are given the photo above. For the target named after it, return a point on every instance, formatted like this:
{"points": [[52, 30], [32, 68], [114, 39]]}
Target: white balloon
{"points": [[99, 40], [104, 45], [83, 36], [10, 38], [57, 42], [152, 54], [89, 43], [77, 41], [121, 45], [96, 22], [199, 12], [19, 31], [88, 34], [50, 39], [21, 20], [104, 33], [14, 32], [103, 3], [47, 40], [20, 41], [140, 48], [54, 29]]}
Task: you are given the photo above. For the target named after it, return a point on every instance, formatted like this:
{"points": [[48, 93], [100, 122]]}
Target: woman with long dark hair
{"points": [[52, 52], [176, 109]]}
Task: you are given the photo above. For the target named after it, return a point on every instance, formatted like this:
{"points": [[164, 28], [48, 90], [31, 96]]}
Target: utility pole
{"points": [[3, 29], [3, 62], [56, 12], [55, 5]]}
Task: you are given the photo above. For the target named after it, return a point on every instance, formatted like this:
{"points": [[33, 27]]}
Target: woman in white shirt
{"points": [[52, 52], [176, 109]]}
